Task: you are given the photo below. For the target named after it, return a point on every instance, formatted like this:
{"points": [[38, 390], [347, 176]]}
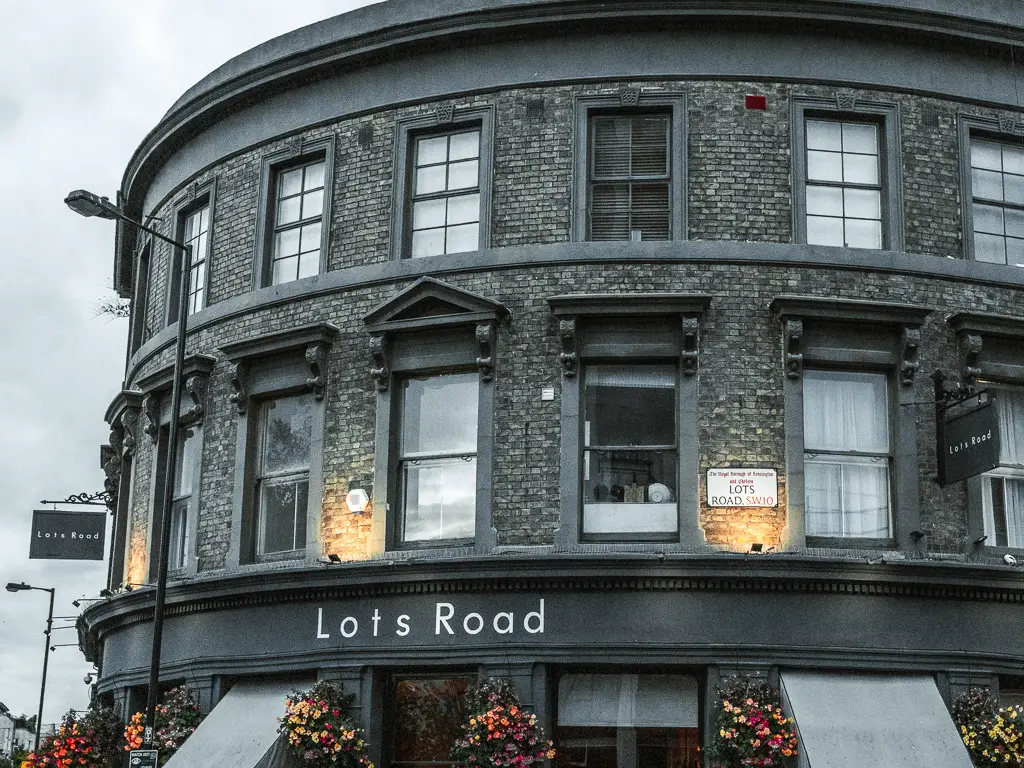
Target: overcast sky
{"points": [[81, 83]]}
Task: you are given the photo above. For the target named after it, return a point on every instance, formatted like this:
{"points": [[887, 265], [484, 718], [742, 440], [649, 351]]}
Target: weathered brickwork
{"points": [[739, 187]]}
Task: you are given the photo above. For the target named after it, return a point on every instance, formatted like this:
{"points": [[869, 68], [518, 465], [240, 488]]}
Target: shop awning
{"points": [[867, 721], [240, 730]]}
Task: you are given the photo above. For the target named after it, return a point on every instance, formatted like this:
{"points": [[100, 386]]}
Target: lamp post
{"points": [[87, 204], [22, 587]]}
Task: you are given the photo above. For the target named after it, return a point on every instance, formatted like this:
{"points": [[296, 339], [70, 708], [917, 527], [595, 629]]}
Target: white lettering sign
{"points": [[447, 622], [731, 487]]}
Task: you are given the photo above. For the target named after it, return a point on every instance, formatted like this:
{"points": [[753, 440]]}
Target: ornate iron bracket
{"points": [[379, 354], [794, 358], [909, 351], [485, 343], [568, 357], [691, 341], [85, 499]]}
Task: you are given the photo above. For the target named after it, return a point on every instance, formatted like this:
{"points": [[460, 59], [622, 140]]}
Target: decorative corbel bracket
{"points": [[970, 345], [110, 462], [151, 408], [316, 359], [379, 354], [691, 341], [568, 357], [910, 348], [239, 383], [794, 358], [130, 431], [195, 388], [485, 344]]}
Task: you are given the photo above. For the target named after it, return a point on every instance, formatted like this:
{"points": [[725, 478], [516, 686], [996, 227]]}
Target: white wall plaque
{"points": [[742, 487]]}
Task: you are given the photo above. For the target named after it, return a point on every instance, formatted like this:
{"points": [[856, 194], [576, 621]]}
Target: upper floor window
{"points": [[630, 166], [298, 222], [184, 475], [630, 171], [293, 217], [846, 454], [196, 235], [997, 194], [284, 432], [630, 451], [442, 183], [1003, 488], [437, 457], [846, 170], [844, 184], [445, 201], [194, 221]]}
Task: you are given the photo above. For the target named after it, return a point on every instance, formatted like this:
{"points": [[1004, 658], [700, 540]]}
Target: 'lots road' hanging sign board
{"points": [[740, 487], [968, 443], [67, 535]]}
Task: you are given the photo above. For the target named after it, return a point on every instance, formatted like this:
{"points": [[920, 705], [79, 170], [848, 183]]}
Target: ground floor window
{"points": [[627, 721], [427, 715]]}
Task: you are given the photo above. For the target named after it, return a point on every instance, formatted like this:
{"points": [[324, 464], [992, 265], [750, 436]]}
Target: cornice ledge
{"points": [[162, 378], [280, 341], [126, 398], [1005, 326], [848, 310], [605, 304]]}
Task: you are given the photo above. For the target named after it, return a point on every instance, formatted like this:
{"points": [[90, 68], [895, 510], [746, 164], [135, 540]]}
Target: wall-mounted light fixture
{"points": [[357, 500]]}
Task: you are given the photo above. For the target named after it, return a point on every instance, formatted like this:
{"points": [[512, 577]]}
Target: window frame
{"points": [[883, 114], [853, 335], [1014, 472], [156, 409], [402, 458], [988, 354], [439, 123], [137, 335], [986, 129], [624, 103], [585, 327], [890, 404], [266, 367], [298, 153], [391, 681], [455, 331], [200, 198]]}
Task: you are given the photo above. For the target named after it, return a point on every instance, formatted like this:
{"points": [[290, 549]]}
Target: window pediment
{"points": [[429, 303]]}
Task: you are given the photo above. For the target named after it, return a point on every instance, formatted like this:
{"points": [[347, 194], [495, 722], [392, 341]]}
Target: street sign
{"points": [[143, 758]]}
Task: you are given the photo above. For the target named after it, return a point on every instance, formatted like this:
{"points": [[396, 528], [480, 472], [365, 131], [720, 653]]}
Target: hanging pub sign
{"points": [[60, 535], [968, 443]]}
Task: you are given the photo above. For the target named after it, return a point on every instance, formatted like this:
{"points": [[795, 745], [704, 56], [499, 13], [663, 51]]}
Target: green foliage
{"points": [[993, 735]]}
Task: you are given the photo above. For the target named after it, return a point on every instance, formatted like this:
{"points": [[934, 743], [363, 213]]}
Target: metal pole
{"points": [[46, 660], [168, 499]]}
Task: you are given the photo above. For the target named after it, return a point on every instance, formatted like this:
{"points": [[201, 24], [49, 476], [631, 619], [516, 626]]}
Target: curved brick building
{"points": [[624, 317]]}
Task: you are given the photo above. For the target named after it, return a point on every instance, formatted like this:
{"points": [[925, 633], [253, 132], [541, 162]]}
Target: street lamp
{"points": [[22, 587], [88, 204]]}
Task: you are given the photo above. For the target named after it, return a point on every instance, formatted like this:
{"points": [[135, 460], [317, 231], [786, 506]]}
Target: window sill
{"points": [[842, 542]]}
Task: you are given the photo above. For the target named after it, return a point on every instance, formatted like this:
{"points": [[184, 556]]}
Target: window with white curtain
{"points": [[628, 721], [630, 452], [1003, 488], [847, 454]]}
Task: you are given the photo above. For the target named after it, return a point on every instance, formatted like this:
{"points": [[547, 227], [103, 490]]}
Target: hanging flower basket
{"points": [[176, 719], [498, 732], [89, 740], [750, 728], [320, 730], [993, 735]]}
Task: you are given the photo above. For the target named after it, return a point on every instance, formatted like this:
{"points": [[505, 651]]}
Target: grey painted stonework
{"points": [[736, 303]]}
